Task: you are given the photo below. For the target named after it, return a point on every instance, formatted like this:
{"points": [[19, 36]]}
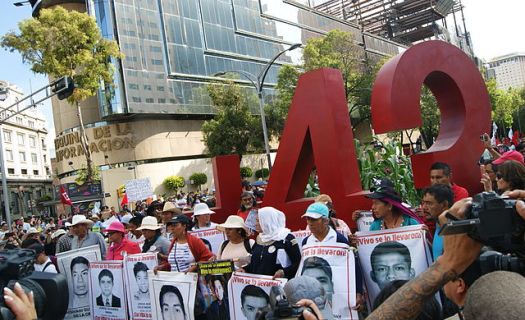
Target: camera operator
{"points": [[460, 251]]}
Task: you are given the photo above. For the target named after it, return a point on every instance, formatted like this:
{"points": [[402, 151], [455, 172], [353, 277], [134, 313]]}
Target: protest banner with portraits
{"points": [[392, 254], [172, 294], [75, 265], [108, 298], [250, 295], [213, 280], [211, 235], [325, 262], [136, 267]]}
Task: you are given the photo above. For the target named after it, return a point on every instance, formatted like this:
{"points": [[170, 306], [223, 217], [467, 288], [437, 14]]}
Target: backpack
{"points": [[53, 261], [246, 245]]}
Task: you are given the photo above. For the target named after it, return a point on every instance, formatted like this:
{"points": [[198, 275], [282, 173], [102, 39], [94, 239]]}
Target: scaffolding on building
{"points": [[403, 21]]}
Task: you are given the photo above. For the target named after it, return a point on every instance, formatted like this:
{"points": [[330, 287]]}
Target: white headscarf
{"points": [[273, 224]]}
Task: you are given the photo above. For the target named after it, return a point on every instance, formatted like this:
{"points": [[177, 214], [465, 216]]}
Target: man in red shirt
{"points": [[441, 173]]}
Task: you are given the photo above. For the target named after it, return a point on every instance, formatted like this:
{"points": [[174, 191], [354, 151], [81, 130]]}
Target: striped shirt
{"points": [[180, 257]]}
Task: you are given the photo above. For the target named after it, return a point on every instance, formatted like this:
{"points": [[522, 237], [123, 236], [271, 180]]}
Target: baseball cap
{"points": [[509, 155], [317, 210], [180, 219]]}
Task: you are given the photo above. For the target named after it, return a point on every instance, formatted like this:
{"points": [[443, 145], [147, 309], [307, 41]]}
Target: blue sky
{"points": [[495, 30]]}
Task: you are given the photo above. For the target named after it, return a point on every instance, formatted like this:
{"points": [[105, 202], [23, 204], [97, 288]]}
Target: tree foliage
{"points": [[505, 103], [199, 178], [335, 50], [233, 130], [246, 172], [431, 119], [173, 183], [67, 43], [262, 173]]}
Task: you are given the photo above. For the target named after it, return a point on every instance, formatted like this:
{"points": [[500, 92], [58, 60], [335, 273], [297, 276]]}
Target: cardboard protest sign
{"points": [[75, 266], [366, 218], [392, 254], [325, 262], [172, 293], [138, 189], [136, 267], [250, 294], [213, 279], [108, 299], [212, 235]]}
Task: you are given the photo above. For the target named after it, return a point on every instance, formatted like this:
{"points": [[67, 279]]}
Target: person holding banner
{"points": [[201, 217], [185, 249], [390, 213], [238, 247], [119, 245], [154, 241], [335, 223], [83, 236], [276, 251]]}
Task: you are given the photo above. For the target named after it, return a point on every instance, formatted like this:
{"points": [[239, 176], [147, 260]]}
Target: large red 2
{"points": [[462, 98]]}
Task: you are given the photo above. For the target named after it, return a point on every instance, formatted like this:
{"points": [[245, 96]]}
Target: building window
{"points": [[32, 141], [7, 136], [19, 120], [24, 171], [35, 172], [150, 100], [9, 155], [22, 156], [21, 139], [34, 158], [31, 124], [10, 171]]}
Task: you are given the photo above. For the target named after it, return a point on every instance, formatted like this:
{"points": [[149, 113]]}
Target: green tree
{"points": [[233, 130], [67, 43], [431, 119], [505, 103], [335, 50], [246, 172], [173, 183], [198, 179]]}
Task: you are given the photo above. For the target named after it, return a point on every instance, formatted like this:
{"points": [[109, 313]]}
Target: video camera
{"points": [[493, 221], [50, 290], [280, 307]]}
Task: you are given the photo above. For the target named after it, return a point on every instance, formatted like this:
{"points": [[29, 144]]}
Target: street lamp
{"points": [[258, 83]]}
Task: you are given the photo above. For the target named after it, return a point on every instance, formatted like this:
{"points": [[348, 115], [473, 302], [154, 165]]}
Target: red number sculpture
{"points": [[317, 134], [462, 98]]}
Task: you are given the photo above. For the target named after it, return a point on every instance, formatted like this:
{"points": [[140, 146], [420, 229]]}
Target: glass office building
{"points": [[173, 48]]}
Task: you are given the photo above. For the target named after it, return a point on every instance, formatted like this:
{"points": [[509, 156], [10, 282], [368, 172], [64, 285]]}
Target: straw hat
{"points": [[201, 208], [116, 226], [233, 222], [32, 230], [58, 233], [80, 219], [171, 207], [149, 223]]}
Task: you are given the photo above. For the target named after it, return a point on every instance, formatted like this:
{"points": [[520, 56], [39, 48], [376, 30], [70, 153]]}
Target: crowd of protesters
{"points": [[255, 235]]}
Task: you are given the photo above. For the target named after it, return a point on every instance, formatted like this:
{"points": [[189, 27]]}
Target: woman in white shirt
{"points": [[238, 247]]}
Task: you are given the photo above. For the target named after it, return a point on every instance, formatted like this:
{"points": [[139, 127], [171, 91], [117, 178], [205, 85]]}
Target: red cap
{"points": [[509, 155], [116, 226]]}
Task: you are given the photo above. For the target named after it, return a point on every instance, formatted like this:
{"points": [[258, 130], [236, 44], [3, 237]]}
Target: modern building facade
{"points": [[151, 126], [509, 70], [26, 154]]}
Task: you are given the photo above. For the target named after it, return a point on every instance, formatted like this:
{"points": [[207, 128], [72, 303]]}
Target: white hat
{"points": [[170, 207], [201, 208], [67, 224], [32, 230], [80, 219], [233, 222], [125, 219], [149, 223], [58, 233]]}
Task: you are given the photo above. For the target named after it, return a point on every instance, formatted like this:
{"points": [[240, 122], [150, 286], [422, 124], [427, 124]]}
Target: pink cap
{"points": [[509, 155], [116, 226]]}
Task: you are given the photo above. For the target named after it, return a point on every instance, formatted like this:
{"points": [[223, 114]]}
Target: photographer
{"points": [[460, 251]]}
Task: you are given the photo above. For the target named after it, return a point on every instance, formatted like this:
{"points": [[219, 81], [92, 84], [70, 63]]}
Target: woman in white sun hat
{"points": [[154, 241], [238, 246], [202, 217]]}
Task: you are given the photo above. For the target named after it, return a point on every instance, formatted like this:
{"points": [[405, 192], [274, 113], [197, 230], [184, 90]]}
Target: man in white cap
{"points": [[168, 212], [64, 243], [84, 237]]}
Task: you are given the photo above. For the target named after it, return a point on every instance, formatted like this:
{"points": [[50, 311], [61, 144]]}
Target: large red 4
{"points": [[463, 102]]}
